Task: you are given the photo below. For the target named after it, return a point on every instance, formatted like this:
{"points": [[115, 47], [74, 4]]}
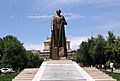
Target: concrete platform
{"points": [[59, 70]]}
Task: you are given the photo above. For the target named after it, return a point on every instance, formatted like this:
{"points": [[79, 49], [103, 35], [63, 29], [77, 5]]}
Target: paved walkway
{"points": [[115, 71]]}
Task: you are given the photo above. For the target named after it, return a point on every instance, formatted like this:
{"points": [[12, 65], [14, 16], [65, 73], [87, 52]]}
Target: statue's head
{"points": [[58, 11]]}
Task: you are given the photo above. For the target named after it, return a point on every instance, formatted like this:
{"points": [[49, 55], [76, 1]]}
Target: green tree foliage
{"points": [[1, 49], [83, 54], [111, 38], [98, 50], [33, 59], [113, 48], [117, 50], [14, 55]]}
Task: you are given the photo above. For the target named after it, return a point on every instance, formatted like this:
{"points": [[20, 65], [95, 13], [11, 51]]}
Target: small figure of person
{"points": [[102, 66], [111, 66]]}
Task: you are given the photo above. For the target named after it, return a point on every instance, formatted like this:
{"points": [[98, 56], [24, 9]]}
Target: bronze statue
{"points": [[58, 40]]}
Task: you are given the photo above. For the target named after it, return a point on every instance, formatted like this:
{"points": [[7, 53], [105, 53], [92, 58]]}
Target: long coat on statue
{"points": [[58, 40]]}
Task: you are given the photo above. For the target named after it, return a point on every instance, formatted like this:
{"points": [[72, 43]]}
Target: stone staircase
{"points": [[62, 70], [26, 75], [98, 75]]}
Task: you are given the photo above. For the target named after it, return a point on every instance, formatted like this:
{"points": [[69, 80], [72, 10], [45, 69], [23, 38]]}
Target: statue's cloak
{"points": [[58, 40]]}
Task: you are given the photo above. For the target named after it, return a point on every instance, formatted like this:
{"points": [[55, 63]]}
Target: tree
{"points": [[92, 51], [83, 55], [33, 60], [111, 37], [111, 46], [96, 48], [117, 57], [99, 49], [1, 48], [14, 53]]}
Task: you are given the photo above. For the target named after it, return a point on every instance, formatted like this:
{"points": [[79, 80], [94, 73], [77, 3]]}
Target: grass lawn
{"points": [[114, 75], [7, 77]]}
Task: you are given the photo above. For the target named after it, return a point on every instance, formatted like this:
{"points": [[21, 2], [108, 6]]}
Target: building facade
{"points": [[45, 54], [47, 44]]}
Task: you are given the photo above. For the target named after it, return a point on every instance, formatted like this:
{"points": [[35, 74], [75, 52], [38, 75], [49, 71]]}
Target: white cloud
{"points": [[75, 41], [34, 46], [68, 1], [58, 3], [40, 17], [68, 16], [111, 25], [87, 1], [104, 28], [50, 5], [72, 16]]}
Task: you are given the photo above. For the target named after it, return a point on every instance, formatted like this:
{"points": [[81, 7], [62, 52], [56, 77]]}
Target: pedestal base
{"points": [[59, 70]]}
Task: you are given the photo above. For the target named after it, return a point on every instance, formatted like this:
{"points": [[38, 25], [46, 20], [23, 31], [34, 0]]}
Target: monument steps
{"points": [[26, 75], [98, 75], [62, 70]]}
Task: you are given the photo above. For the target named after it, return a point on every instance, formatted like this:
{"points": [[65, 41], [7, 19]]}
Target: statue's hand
{"points": [[64, 23], [51, 30]]}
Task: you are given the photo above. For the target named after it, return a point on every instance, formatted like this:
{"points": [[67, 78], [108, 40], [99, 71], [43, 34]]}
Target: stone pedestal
{"points": [[54, 54], [57, 53], [59, 70]]}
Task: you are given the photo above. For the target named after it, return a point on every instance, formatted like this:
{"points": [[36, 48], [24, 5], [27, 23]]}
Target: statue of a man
{"points": [[58, 39]]}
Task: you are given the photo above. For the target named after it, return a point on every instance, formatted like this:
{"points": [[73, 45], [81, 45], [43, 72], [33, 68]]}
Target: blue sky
{"points": [[29, 20]]}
